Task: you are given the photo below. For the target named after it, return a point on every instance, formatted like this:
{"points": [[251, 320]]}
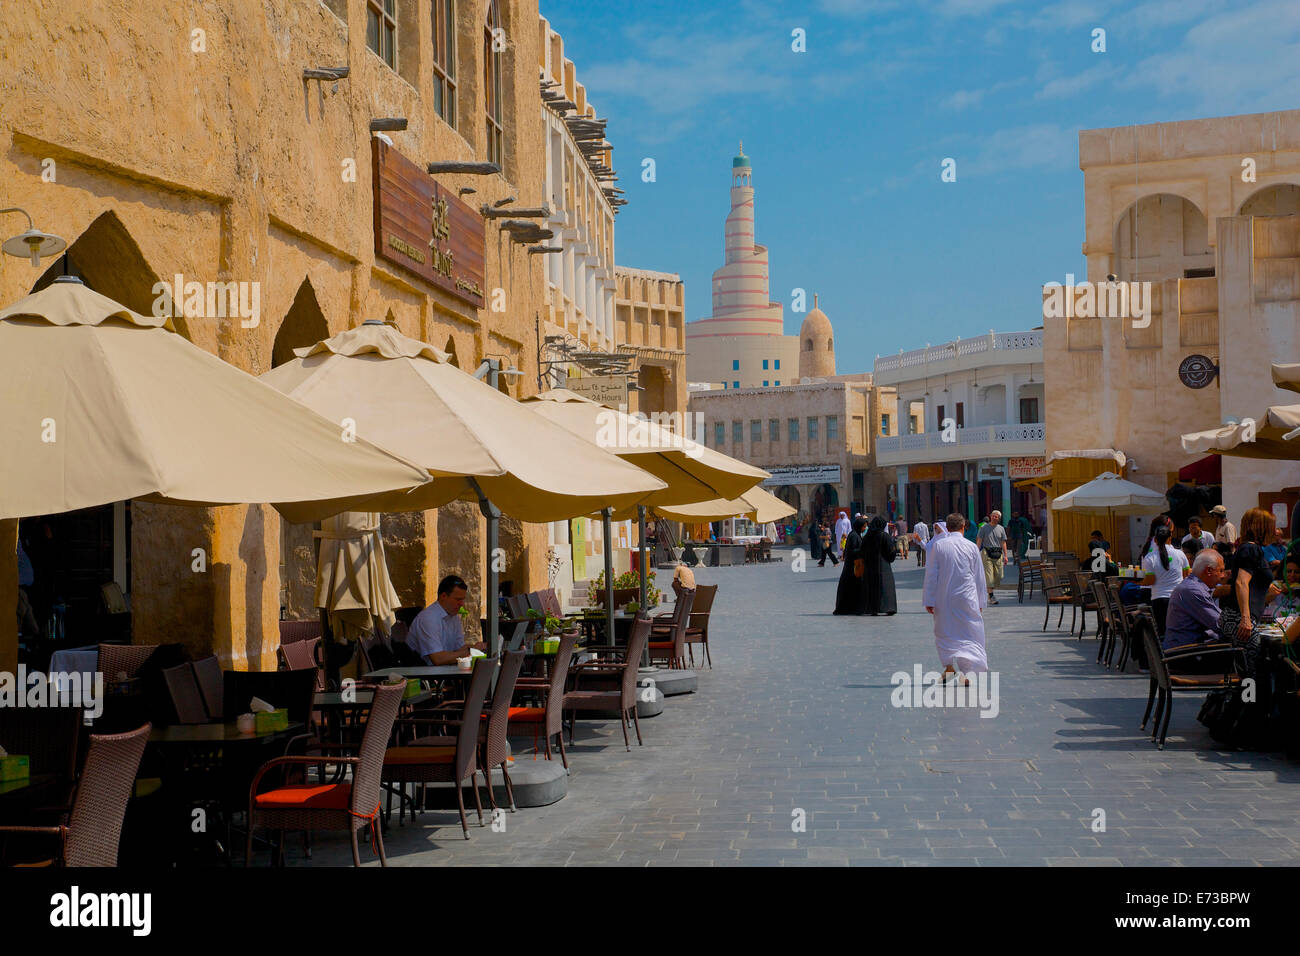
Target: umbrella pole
{"points": [[493, 515], [640, 519], [606, 518]]}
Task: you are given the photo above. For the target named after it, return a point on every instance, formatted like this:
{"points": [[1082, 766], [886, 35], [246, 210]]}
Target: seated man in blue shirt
{"points": [[437, 633], [1193, 616]]}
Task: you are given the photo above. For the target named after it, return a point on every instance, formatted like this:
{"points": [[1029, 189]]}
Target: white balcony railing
{"points": [[961, 347], [979, 435]]}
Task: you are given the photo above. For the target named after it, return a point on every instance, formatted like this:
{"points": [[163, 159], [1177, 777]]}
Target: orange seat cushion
{"points": [[528, 713], [314, 796], [410, 755]]}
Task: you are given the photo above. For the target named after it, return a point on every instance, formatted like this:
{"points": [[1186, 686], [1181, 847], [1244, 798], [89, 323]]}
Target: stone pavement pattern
{"points": [[797, 715]]}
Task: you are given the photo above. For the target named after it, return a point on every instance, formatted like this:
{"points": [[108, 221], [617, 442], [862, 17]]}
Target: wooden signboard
{"points": [[425, 228]]}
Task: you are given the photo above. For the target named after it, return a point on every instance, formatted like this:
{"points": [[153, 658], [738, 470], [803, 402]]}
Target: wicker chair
{"points": [[49, 736], [672, 626], [187, 699], [551, 602], [331, 806], [116, 660], [1056, 592], [1028, 572], [442, 758], [1106, 630], [493, 745], [208, 673], [549, 720], [621, 698], [1084, 599], [1165, 684], [697, 628], [94, 828], [300, 655], [291, 632]]}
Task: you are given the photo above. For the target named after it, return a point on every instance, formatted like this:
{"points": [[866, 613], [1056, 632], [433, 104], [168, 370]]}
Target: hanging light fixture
{"points": [[32, 244]]}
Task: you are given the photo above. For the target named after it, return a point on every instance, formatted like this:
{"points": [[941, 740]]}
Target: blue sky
{"points": [[847, 138]]}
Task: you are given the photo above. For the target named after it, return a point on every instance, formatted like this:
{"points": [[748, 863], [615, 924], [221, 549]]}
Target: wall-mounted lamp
{"points": [[32, 244]]}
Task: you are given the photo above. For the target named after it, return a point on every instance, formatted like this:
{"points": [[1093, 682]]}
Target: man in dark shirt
{"points": [[1193, 616]]}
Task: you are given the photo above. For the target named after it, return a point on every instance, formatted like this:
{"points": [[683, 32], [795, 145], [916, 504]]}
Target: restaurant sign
{"points": [[425, 228], [1028, 467], [804, 475], [607, 390], [919, 473]]}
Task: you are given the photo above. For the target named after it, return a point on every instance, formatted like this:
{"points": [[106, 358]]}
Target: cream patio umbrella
{"points": [[477, 443], [352, 581], [1110, 495], [758, 505], [104, 404], [691, 471]]}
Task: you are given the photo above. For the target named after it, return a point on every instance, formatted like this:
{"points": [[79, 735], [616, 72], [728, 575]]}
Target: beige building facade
{"points": [[251, 171], [1208, 212], [989, 388], [817, 440]]}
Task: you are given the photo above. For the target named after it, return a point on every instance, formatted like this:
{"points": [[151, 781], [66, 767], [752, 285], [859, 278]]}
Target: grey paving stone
{"points": [[796, 713]]}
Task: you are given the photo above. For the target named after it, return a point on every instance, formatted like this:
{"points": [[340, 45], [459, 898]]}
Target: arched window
{"points": [[807, 346], [830, 345], [493, 42]]}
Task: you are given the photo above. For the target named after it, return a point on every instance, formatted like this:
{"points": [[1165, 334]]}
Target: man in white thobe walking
{"points": [[842, 528], [954, 593]]}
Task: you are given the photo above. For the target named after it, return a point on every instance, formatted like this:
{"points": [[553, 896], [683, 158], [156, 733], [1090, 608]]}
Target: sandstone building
{"points": [[1208, 212], [192, 142]]}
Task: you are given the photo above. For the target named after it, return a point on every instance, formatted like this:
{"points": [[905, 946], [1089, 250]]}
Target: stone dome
{"points": [[816, 345]]}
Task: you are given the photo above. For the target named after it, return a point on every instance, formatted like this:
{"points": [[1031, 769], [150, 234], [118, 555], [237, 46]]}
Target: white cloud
{"points": [[1039, 145], [1064, 86], [962, 99]]}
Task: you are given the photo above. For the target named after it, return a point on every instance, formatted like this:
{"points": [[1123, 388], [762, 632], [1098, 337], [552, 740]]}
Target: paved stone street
{"points": [[797, 715]]}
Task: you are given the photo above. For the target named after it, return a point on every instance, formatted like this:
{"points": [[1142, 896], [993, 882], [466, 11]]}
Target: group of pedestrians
{"points": [[960, 575]]}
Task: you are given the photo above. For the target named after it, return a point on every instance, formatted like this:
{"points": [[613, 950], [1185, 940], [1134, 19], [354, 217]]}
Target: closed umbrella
{"points": [[352, 581], [477, 443], [104, 404]]}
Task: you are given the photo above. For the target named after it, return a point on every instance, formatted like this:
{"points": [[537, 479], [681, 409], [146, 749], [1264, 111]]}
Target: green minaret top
{"points": [[742, 159]]}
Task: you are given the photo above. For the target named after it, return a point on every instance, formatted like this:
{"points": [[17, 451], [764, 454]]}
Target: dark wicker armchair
{"points": [[622, 698], [94, 828], [1164, 683], [442, 758], [697, 629], [673, 627], [547, 720], [331, 806]]}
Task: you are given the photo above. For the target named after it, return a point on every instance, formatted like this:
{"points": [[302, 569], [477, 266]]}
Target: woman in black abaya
{"points": [[851, 595], [879, 552]]}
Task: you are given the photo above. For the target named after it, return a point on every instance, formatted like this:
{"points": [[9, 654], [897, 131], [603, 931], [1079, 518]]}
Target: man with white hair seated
{"points": [[1194, 614]]}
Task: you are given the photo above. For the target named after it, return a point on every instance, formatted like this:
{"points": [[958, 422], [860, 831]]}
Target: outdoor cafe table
{"points": [[213, 763], [420, 672]]}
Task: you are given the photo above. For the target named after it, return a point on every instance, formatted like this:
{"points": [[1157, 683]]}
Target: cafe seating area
{"points": [[266, 759], [1125, 629]]}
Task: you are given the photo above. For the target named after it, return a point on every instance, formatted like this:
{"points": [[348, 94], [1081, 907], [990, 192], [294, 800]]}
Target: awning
{"points": [[1101, 453], [1206, 471]]}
